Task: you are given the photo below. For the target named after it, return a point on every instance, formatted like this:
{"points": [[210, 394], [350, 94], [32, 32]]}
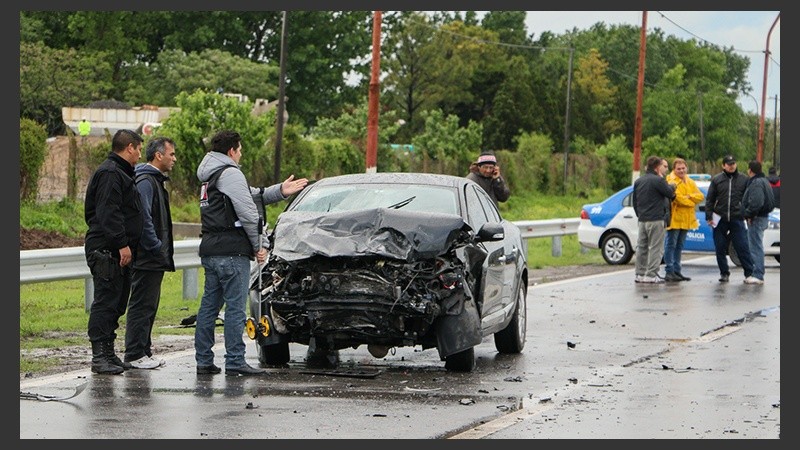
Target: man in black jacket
{"points": [[651, 202], [724, 215], [113, 214], [154, 255]]}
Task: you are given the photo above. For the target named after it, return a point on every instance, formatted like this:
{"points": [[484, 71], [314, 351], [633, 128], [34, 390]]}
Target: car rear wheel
{"points": [[616, 249], [463, 361], [511, 339], [274, 354]]}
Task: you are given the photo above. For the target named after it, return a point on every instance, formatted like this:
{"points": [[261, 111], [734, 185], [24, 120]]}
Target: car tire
{"points": [[511, 339], [273, 354], [616, 249], [733, 255], [463, 361], [320, 356]]}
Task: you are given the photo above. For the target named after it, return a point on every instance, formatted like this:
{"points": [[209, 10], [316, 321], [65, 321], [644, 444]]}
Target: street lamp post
{"points": [[755, 101]]}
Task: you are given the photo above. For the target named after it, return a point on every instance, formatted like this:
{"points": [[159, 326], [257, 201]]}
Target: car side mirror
{"points": [[491, 231]]}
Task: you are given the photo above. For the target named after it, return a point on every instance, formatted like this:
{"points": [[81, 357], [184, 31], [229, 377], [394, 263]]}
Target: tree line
{"points": [[452, 84]]}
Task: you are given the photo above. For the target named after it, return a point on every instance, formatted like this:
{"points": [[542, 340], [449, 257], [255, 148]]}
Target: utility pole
{"points": [[702, 134], [374, 92], [637, 127], [760, 152], [775, 135], [566, 118], [276, 174]]}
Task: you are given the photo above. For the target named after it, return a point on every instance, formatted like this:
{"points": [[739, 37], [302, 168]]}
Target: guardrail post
{"points": [[190, 282], [556, 246], [88, 293]]}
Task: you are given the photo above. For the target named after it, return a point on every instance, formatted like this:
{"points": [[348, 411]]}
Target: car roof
{"points": [[395, 178]]}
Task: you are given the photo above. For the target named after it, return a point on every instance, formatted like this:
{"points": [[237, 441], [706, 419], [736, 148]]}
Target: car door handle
{"points": [[513, 255]]}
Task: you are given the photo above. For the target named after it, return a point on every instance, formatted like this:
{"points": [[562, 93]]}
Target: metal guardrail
{"points": [[56, 264]]}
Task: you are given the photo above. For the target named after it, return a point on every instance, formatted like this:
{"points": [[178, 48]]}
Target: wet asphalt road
{"points": [[604, 358]]}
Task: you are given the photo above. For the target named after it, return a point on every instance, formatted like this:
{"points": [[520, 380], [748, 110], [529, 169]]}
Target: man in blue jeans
{"points": [[757, 203], [229, 222], [724, 199]]}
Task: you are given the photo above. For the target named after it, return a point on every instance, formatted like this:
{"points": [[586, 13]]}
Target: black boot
{"points": [[112, 356], [100, 361]]}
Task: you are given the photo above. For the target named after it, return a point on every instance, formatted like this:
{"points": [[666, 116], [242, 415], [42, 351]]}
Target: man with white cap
{"points": [[486, 173]]}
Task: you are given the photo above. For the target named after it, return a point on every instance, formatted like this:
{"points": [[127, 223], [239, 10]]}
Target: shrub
{"points": [[32, 150]]}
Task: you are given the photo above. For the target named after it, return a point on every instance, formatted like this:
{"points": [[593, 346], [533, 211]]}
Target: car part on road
{"points": [[52, 398]]}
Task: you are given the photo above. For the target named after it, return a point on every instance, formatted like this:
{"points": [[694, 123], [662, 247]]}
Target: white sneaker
{"points": [[753, 280], [146, 362], [652, 280]]}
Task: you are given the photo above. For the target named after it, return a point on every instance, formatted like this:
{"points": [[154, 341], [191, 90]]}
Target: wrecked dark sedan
{"points": [[390, 260]]}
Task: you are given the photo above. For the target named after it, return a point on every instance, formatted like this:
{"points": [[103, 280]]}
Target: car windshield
{"points": [[368, 196]]}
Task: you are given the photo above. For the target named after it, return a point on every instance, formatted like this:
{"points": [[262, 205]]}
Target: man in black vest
{"points": [[154, 255], [229, 241]]}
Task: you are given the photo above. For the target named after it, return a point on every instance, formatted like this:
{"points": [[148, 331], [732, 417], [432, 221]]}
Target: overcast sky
{"points": [[745, 31]]}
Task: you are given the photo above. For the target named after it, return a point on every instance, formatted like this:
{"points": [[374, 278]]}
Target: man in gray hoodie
{"points": [[229, 241]]}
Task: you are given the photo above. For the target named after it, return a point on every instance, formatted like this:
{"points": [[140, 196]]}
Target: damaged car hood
{"points": [[391, 233]]}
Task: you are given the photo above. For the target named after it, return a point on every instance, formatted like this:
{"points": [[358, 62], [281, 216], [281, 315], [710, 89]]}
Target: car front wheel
{"points": [[274, 354], [616, 249], [511, 339], [463, 361]]}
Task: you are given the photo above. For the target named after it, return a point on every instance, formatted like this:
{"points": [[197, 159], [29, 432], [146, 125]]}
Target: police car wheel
{"points": [[616, 249]]}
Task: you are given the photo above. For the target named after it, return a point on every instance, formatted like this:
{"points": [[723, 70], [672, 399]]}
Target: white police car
{"points": [[611, 226]]}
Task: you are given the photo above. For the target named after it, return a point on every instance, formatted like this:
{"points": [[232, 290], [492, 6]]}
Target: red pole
{"points": [[374, 93], [637, 127], [760, 151]]}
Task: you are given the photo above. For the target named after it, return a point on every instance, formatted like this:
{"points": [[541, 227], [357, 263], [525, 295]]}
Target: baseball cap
{"points": [[729, 159]]}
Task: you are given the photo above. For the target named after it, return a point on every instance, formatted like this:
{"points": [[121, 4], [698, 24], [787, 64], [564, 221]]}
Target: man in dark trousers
{"points": [[724, 215], [154, 255], [757, 203], [113, 214], [775, 182], [651, 201]]}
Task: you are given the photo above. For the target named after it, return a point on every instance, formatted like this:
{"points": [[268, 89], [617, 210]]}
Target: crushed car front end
{"points": [[380, 277]]}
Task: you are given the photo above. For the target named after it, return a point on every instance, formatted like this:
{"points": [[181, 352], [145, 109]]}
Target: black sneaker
{"points": [[208, 370], [672, 277], [724, 278], [683, 278], [244, 370]]}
